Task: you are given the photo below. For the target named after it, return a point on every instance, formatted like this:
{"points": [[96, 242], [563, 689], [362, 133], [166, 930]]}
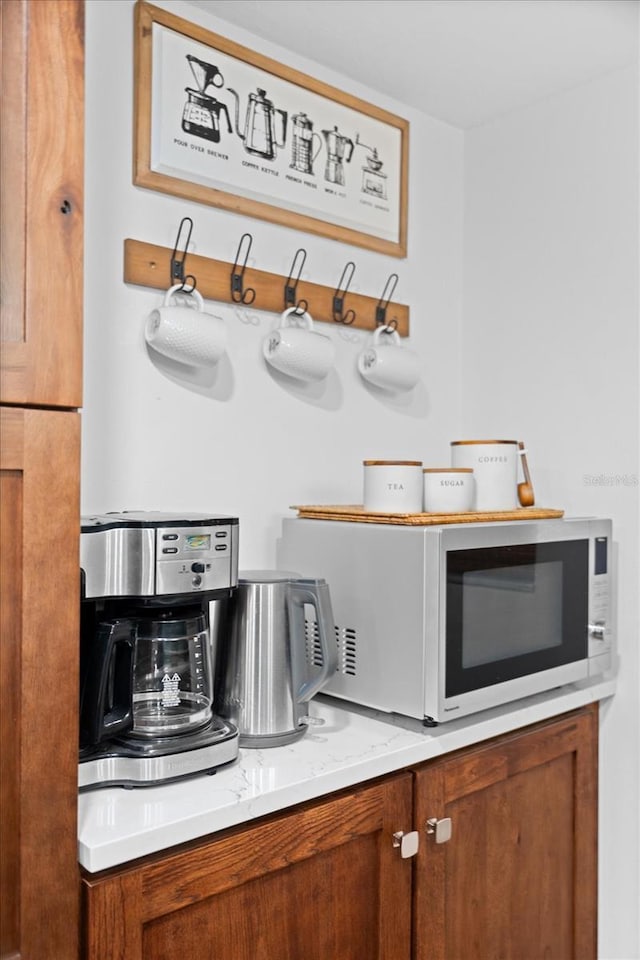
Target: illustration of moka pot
{"points": [[201, 114], [336, 149], [265, 127], [302, 141]]}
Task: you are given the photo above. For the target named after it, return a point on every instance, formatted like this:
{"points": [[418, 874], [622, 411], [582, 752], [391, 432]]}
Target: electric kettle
{"points": [[281, 649]]}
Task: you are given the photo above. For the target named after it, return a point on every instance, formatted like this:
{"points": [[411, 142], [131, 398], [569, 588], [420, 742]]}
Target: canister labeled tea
{"points": [[393, 486]]}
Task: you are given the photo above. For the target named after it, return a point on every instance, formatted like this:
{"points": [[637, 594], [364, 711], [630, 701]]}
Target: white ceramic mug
{"points": [[387, 364], [495, 468], [297, 350], [181, 330], [392, 486], [448, 489]]}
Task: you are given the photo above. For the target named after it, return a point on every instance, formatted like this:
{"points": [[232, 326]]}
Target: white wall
{"points": [[244, 444], [550, 355]]}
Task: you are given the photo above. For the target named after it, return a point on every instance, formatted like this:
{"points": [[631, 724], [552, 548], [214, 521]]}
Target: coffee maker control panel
{"points": [[147, 554]]}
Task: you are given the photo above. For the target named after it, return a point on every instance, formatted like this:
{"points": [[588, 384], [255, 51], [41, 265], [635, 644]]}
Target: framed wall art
{"points": [[223, 125]]}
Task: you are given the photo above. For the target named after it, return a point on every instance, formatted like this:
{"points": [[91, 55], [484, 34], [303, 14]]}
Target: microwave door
{"points": [[512, 612]]}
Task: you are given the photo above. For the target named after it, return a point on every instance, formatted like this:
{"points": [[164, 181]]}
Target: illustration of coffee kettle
{"points": [[337, 145], [201, 113], [302, 140], [265, 127]]}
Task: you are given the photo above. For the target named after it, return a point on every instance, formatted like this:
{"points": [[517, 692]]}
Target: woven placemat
{"points": [[356, 513]]}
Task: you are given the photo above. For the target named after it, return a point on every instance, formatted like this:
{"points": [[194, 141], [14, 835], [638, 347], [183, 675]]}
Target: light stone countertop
{"points": [[349, 745]]}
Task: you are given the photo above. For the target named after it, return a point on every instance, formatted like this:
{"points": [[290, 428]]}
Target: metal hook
{"points": [[339, 295], [291, 287], [177, 265], [238, 293], [383, 303]]}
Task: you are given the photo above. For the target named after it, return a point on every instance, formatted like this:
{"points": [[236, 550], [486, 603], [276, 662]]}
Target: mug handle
{"points": [[306, 317], [384, 331], [197, 296]]}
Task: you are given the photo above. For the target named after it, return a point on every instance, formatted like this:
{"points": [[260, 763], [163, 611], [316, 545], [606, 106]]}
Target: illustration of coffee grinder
{"points": [[302, 139], [373, 181], [337, 145], [201, 114]]}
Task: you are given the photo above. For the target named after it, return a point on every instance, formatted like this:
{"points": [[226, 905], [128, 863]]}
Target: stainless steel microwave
{"points": [[436, 622]]}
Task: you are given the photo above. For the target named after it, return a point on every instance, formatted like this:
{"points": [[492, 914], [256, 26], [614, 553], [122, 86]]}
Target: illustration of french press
{"points": [[302, 142], [337, 155], [374, 182], [201, 114], [265, 126]]}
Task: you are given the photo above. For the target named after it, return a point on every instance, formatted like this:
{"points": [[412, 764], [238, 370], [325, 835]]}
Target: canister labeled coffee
{"points": [[495, 468]]}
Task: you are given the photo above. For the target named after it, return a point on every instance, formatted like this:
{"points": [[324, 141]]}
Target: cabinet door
{"points": [[41, 184], [517, 879], [323, 882], [39, 613]]}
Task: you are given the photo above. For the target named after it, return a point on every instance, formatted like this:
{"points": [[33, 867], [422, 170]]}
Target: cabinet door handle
{"points": [[407, 843], [440, 829]]}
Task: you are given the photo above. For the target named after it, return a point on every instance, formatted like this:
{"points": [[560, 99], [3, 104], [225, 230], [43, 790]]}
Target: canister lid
{"points": [[448, 470], [392, 463], [461, 443], [267, 576]]}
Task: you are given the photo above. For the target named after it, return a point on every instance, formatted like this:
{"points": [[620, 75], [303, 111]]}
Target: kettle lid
{"points": [[267, 576]]}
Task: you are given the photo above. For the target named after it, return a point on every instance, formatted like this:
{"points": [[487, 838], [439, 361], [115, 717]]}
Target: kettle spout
{"points": [[237, 114]]}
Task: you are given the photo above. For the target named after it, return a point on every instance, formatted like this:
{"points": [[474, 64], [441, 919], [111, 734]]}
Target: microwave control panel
{"points": [[600, 625]]}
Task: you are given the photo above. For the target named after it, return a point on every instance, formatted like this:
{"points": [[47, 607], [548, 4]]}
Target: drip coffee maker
{"points": [[154, 592]]}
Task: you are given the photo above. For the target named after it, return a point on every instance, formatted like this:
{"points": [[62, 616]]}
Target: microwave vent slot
{"points": [[347, 647]]}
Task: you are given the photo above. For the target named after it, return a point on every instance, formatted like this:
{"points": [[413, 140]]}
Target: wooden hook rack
{"points": [[148, 265]]}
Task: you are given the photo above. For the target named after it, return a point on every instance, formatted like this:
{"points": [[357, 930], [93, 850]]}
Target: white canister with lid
{"points": [[448, 489], [495, 468], [393, 486]]}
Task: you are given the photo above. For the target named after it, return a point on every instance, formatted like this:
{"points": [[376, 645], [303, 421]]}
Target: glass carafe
{"points": [[172, 688]]}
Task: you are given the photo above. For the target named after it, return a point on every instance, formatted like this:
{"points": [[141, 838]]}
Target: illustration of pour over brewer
{"points": [[265, 126], [374, 182], [201, 114], [337, 155], [302, 142], [154, 594]]}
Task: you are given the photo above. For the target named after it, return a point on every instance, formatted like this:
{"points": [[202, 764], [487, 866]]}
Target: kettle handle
{"points": [[316, 593]]}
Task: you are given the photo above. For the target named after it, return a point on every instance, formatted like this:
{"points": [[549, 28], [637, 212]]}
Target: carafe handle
{"points": [[111, 714], [315, 593]]}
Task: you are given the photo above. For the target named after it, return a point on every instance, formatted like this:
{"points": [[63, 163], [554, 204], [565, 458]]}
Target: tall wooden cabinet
{"points": [[41, 189]]}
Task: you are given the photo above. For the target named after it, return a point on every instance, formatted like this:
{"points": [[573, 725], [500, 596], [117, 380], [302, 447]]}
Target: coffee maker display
{"points": [[201, 113], [337, 155], [265, 126], [153, 591]]}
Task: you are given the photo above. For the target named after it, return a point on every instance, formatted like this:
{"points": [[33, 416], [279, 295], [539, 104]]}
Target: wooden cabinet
{"points": [[323, 882], [42, 176], [41, 182], [517, 879], [39, 506]]}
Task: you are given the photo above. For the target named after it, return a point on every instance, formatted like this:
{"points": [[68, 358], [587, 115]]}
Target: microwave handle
{"points": [[317, 595]]}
